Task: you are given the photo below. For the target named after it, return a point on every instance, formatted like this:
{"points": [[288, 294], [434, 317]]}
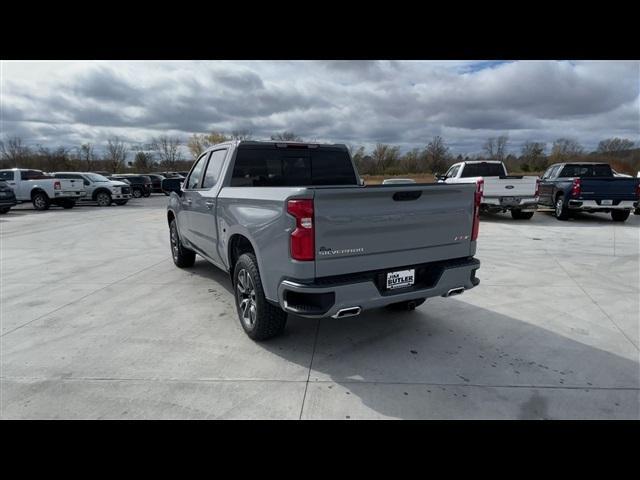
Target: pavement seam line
{"points": [[341, 382], [313, 352], [81, 298], [597, 305]]}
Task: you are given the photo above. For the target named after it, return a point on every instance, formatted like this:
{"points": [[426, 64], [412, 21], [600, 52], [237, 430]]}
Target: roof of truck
{"points": [[276, 142]]}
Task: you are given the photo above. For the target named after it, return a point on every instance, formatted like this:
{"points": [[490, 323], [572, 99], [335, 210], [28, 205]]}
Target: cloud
{"points": [[356, 102]]}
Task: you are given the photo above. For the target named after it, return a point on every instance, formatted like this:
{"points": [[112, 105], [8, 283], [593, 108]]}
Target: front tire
{"points": [[121, 202], [561, 211], [103, 199], [520, 215], [620, 215], [259, 319], [137, 193], [182, 256], [67, 204], [41, 201]]}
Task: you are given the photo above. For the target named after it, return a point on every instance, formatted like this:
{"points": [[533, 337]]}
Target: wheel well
{"points": [[97, 191], [238, 245], [558, 195], [170, 217], [38, 190]]}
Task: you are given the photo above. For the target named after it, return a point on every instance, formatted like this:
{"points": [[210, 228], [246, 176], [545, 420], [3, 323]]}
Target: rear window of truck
{"points": [[292, 167], [482, 170], [587, 170]]}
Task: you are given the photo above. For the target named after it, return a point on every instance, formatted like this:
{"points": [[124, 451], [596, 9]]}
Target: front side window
{"points": [[196, 174], [214, 167]]}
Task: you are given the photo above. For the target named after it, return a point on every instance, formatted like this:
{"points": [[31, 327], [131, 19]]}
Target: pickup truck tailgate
{"points": [[367, 228], [510, 186], [71, 184], [608, 188]]}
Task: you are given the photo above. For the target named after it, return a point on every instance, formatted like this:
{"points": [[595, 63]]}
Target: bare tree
{"points": [[14, 152], [168, 151], [86, 156], [142, 160], [116, 154], [615, 145], [385, 157], [241, 135], [197, 144], [436, 154], [533, 157], [286, 137], [564, 149], [496, 147]]}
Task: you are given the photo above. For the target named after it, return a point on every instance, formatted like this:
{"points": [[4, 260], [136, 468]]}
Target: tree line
{"points": [[167, 153]]}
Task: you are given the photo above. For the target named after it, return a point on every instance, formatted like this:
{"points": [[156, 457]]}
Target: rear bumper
{"points": [[521, 203], [326, 297], [593, 205]]}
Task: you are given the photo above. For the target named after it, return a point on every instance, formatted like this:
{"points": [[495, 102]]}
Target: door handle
{"points": [[188, 200], [209, 204]]}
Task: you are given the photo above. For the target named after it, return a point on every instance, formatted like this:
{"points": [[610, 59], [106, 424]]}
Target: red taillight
{"points": [[476, 209], [537, 188], [303, 237], [638, 189], [56, 186], [575, 188]]}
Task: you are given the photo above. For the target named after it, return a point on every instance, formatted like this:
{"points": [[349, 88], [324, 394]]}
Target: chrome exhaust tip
{"points": [[347, 312], [454, 291]]}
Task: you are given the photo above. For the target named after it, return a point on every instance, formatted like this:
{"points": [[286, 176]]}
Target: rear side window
{"points": [[289, 167], [7, 175], [586, 170], [214, 166], [482, 170]]}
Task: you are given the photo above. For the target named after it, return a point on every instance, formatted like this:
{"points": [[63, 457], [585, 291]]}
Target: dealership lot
{"points": [[97, 322]]}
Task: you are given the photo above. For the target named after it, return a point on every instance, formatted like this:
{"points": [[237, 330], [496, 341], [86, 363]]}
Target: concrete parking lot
{"points": [[98, 323]]}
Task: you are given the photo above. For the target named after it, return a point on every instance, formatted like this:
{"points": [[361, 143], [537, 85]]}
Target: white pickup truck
{"points": [[502, 192], [41, 189]]}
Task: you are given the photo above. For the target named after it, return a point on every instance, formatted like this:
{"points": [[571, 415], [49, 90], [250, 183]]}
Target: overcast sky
{"points": [[355, 102]]}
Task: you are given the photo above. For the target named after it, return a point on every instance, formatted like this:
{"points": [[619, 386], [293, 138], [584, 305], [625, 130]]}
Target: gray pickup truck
{"points": [[299, 233]]}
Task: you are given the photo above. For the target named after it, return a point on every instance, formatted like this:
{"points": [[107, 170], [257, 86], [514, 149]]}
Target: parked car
{"points": [[99, 188], [396, 181], [170, 174], [156, 182], [7, 197], [171, 184], [588, 187], [298, 233], [42, 190], [637, 210], [502, 192], [617, 174], [140, 184]]}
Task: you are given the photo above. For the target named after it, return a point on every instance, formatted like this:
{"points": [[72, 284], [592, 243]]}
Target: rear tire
{"points": [[182, 256], [520, 215], [41, 201], [137, 193], [67, 204], [561, 211], [259, 319], [4, 210], [620, 215], [407, 305]]}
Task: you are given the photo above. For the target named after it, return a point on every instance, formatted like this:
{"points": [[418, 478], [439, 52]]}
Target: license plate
{"points": [[606, 202], [509, 200], [401, 279]]}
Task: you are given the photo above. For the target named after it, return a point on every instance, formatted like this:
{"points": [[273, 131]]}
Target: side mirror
{"points": [[440, 176], [172, 185], [87, 183], [361, 182]]}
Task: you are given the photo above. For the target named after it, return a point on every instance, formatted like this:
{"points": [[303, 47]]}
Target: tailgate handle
{"points": [[405, 196]]}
